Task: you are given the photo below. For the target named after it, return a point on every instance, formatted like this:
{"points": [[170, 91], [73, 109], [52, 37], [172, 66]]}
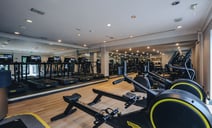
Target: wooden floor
{"points": [[51, 105]]}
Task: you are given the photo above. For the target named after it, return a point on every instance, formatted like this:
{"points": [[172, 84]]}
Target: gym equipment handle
{"points": [[100, 119], [118, 81]]}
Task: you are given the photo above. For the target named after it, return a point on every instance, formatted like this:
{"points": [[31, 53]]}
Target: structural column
{"points": [[93, 60], [104, 61], [201, 60]]}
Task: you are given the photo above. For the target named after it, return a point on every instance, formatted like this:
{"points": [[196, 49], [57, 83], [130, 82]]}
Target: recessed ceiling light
{"points": [[28, 21], [109, 25], [17, 33], [148, 47], [130, 49], [59, 41], [5, 42], [78, 34], [3, 46], [175, 3], [177, 44], [178, 27], [84, 45], [193, 6]]}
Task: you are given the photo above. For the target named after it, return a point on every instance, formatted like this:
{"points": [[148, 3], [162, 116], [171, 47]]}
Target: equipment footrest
{"points": [[129, 96], [73, 98]]}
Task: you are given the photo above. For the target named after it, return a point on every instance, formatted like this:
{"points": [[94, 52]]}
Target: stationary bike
{"points": [[167, 109]]}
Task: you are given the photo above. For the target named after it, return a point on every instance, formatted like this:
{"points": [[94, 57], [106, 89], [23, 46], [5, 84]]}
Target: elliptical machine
{"points": [[168, 109], [187, 84]]}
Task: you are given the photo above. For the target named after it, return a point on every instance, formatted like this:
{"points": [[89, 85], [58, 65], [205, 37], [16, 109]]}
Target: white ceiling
{"points": [[65, 19]]}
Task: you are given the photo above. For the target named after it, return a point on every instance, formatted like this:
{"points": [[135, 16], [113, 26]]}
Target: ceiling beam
{"points": [[208, 20], [167, 40], [35, 40]]}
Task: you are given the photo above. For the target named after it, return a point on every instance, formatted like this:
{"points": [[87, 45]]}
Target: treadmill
{"points": [[40, 82], [17, 86], [84, 71], [98, 74], [62, 70]]}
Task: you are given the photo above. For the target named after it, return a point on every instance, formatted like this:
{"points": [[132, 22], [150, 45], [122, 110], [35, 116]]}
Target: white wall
{"points": [[17, 56], [206, 58]]}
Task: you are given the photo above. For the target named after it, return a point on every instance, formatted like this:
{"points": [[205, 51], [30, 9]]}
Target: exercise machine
{"points": [[40, 82], [54, 65], [17, 86], [115, 68], [182, 65], [62, 70], [19, 121], [167, 109], [184, 84], [84, 70], [98, 74], [98, 66]]}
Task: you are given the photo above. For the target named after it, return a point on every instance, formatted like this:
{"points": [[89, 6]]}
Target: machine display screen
{"points": [[6, 58], [35, 58], [54, 59], [57, 58]]}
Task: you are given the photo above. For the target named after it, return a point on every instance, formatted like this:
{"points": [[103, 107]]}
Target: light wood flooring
{"points": [[51, 105]]}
